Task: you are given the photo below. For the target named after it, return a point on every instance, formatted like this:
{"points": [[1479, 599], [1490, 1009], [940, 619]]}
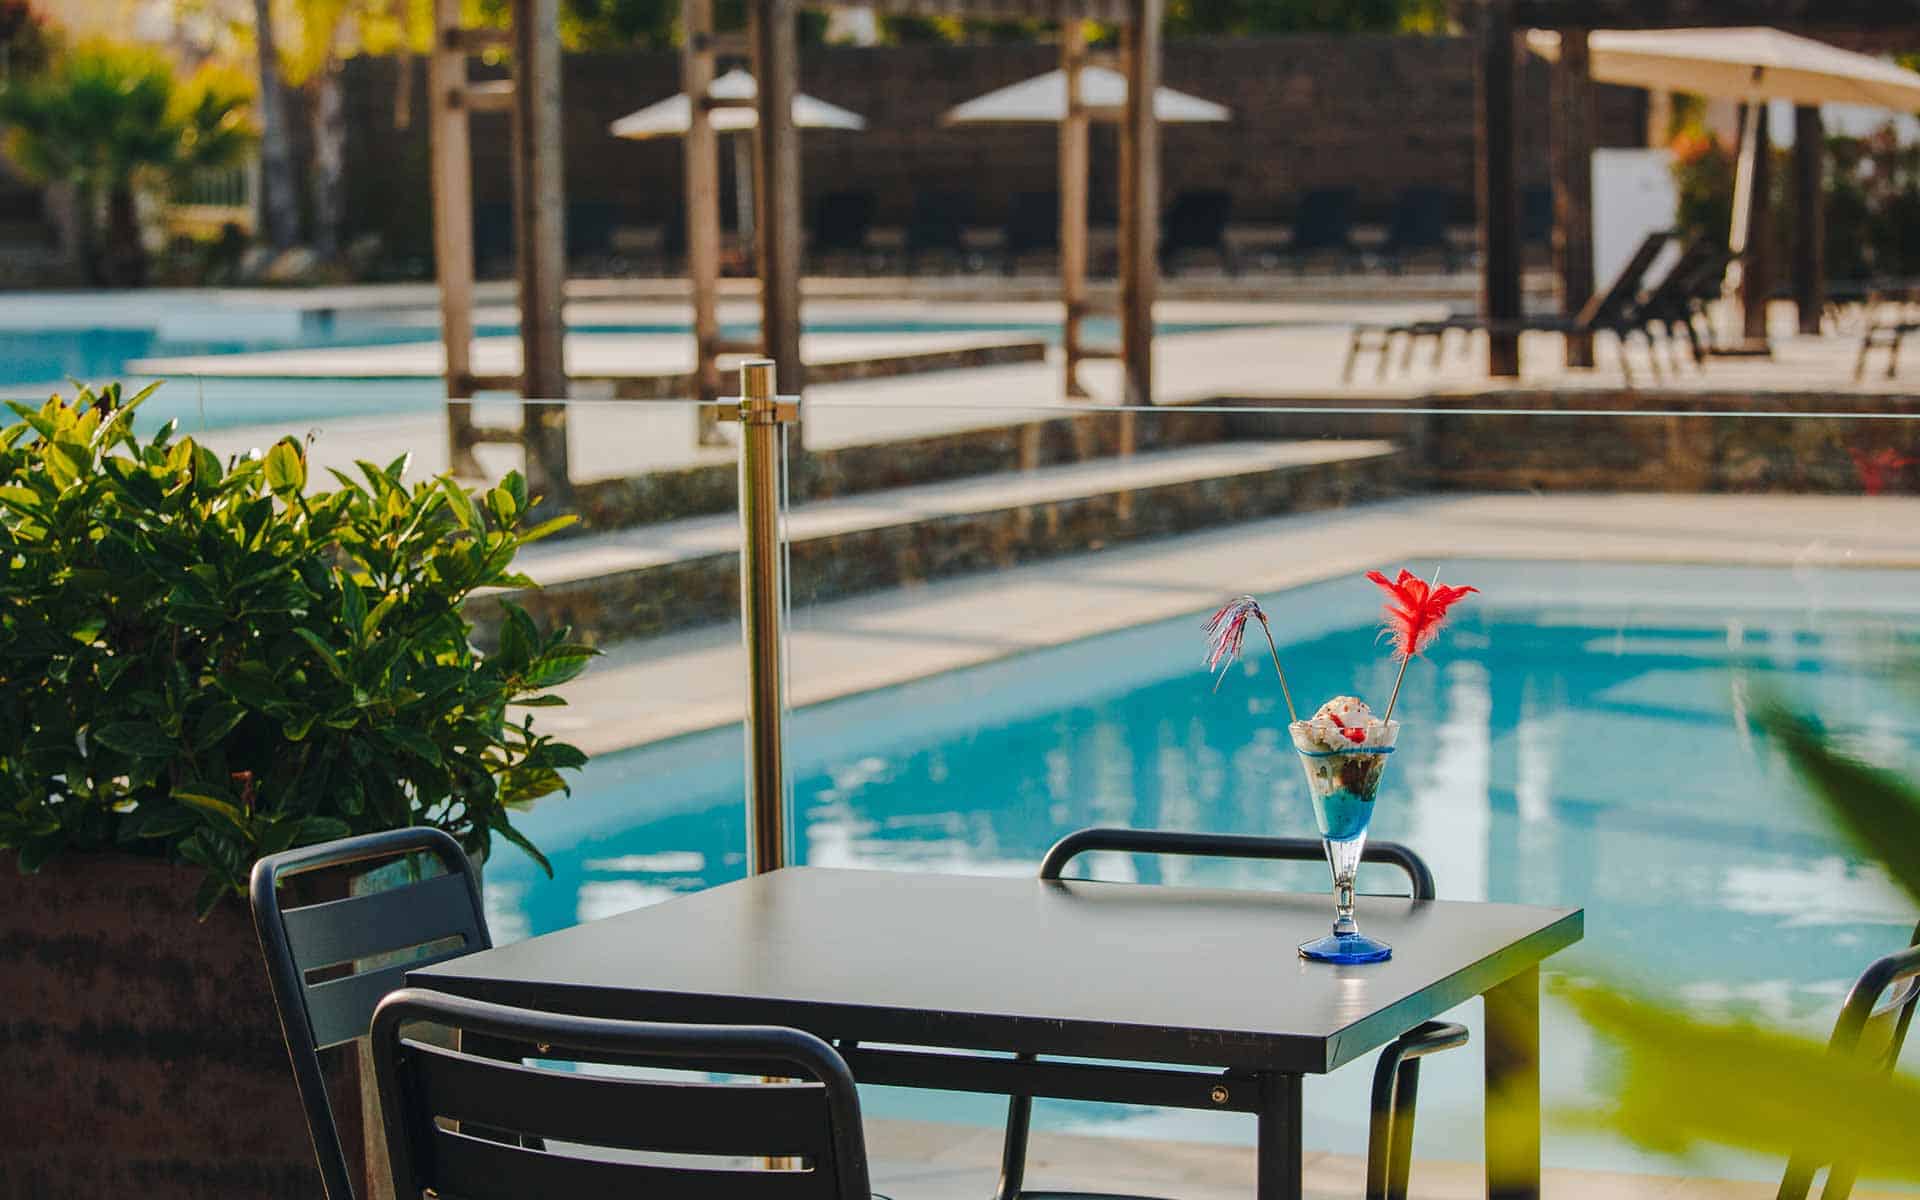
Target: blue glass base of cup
{"points": [[1346, 948]]}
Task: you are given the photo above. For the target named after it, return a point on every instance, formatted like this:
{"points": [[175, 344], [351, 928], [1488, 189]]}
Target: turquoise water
{"points": [[1574, 739]]}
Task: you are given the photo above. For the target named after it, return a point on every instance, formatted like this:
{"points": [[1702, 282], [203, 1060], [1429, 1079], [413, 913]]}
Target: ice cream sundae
{"points": [[1343, 746]]}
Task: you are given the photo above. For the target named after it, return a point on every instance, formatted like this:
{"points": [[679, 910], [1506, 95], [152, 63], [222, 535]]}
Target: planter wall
{"points": [[139, 1051]]}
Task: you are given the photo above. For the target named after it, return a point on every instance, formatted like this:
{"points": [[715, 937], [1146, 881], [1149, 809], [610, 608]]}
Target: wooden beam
{"points": [[1757, 275], [776, 68], [1572, 153], [1107, 12], [1494, 102], [1849, 15], [1073, 204], [492, 95], [1140, 200], [452, 187], [540, 242], [1809, 216], [702, 169]]}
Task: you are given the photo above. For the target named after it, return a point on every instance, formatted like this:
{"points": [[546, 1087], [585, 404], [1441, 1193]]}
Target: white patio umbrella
{"points": [[1747, 64], [1751, 64], [1043, 100], [673, 116]]}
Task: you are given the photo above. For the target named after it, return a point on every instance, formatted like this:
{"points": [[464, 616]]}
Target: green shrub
{"points": [[207, 662]]}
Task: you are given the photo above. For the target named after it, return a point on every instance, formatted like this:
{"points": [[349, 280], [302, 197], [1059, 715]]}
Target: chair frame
{"points": [[1396, 1077], [1618, 310], [1868, 1026], [373, 928], [569, 1100]]}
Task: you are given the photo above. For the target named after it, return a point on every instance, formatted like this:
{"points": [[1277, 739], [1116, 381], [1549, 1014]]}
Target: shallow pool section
{"points": [[1577, 738]]}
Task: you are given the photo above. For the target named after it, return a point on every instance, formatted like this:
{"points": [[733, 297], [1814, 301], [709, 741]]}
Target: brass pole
{"points": [[760, 416]]}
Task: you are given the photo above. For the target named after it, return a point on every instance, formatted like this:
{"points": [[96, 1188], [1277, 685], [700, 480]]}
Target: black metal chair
{"points": [[939, 226], [1396, 1078], [1873, 1027], [1198, 221], [1324, 225], [385, 934], [560, 1118], [1419, 225], [1033, 227]]}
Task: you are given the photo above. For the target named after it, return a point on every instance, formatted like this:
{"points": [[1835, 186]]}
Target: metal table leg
{"points": [[1279, 1155], [1513, 1088]]}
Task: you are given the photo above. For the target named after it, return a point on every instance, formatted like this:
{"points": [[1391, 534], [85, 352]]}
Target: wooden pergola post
{"points": [[1572, 153], [539, 170], [1139, 198], [776, 68], [452, 181], [1809, 216], [702, 170], [1073, 202], [1494, 100], [1756, 275]]}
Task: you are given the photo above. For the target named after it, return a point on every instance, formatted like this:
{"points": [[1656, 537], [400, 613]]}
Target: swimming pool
{"points": [[1574, 739]]}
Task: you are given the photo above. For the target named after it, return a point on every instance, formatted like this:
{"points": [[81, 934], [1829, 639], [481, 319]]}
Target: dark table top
{"points": [[1102, 970]]}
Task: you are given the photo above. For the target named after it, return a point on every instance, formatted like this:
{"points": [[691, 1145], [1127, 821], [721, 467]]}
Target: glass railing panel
{"points": [[998, 638]]}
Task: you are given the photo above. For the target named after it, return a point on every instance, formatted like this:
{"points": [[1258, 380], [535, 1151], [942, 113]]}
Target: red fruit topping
{"points": [[1354, 735]]}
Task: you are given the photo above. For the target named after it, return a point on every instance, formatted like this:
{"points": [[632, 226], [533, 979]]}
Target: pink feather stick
{"points": [[1415, 611]]}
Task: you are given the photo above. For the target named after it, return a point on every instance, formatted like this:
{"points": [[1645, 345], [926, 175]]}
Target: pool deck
{"points": [[923, 1161], [643, 691]]}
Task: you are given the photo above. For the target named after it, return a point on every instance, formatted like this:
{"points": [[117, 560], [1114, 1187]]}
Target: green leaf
{"points": [[505, 829], [286, 468], [141, 739], [1878, 810], [324, 651], [321, 829], [461, 503], [559, 665], [550, 526], [1683, 1082], [209, 803]]}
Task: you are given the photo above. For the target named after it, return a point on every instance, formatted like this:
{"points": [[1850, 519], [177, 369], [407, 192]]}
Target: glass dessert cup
{"points": [[1343, 783]]}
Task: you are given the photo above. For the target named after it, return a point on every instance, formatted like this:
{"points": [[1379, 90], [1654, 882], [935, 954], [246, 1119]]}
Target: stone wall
{"points": [[1375, 113]]}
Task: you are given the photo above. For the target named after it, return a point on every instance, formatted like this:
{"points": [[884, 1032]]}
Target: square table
{"points": [[938, 969]]}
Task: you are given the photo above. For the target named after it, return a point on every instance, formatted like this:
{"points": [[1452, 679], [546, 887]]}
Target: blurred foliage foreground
{"points": [[1683, 1082]]}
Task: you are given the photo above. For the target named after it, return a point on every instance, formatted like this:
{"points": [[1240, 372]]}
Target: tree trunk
{"points": [[329, 160], [126, 255], [75, 208], [280, 206]]}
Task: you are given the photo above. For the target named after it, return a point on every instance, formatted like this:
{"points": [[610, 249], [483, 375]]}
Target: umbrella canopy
{"points": [[672, 116], [1042, 100], [1742, 64]]}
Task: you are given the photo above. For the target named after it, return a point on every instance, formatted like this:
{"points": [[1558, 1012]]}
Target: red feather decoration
{"points": [[1415, 610]]}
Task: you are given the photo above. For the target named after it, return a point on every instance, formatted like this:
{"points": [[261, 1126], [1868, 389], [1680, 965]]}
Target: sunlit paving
{"points": [[959, 599]]}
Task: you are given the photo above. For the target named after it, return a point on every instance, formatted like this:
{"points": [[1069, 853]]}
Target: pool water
{"points": [[1575, 738]]}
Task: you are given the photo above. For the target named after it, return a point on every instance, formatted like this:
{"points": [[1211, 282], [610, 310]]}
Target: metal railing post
{"points": [[761, 413]]}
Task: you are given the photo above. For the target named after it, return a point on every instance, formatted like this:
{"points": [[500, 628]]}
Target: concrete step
{"points": [[650, 579]]}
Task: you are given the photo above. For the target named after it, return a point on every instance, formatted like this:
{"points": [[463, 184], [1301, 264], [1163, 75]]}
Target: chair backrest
{"points": [[1033, 221], [1325, 220], [1419, 220], [330, 963], [1227, 845], [940, 219], [1614, 305], [841, 220], [1873, 1026], [1198, 220], [549, 1131]]}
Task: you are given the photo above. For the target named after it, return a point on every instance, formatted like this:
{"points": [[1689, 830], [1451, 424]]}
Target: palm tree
{"points": [[108, 120]]}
